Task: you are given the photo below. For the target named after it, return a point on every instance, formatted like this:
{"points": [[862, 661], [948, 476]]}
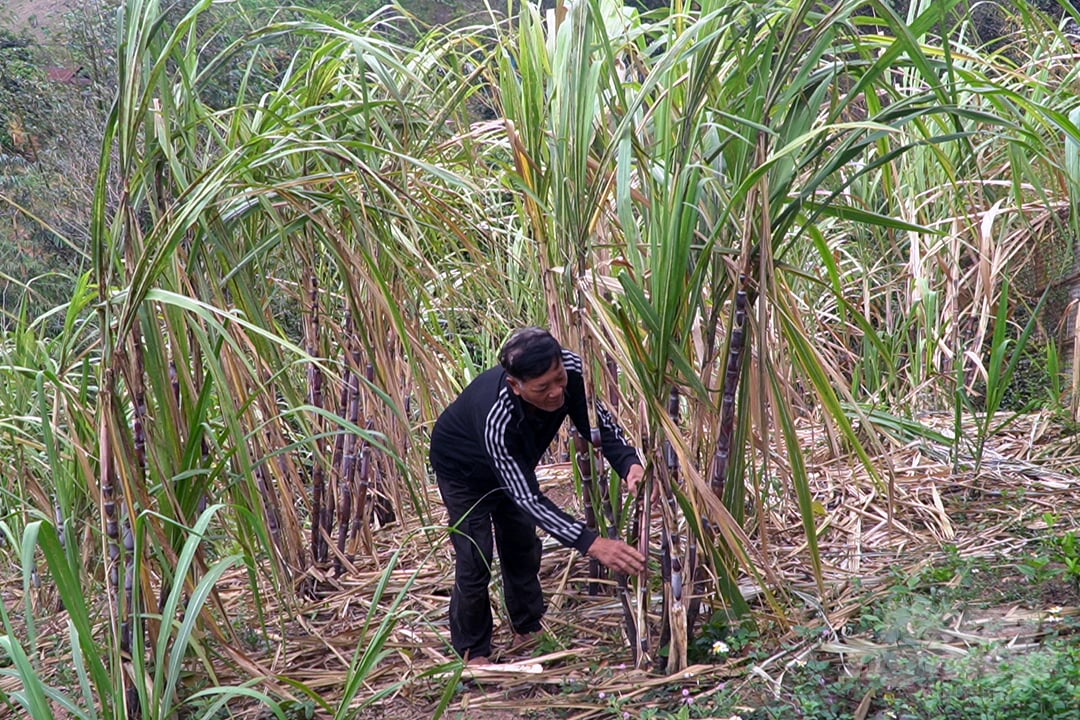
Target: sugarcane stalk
{"points": [[348, 470], [692, 578], [126, 627], [583, 458], [138, 391], [279, 515], [642, 520], [383, 505], [381, 496], [315, 379], [675, 629], [264, 477], [364, 505], [350, 407], [337, 464], [365, 508], [111, 518], [621, 579], [384, 497], [635, 623], [695, 576], [108, 487], [665, 582], [733, 371], [612, 394], [135, 374], [273, 522], [363, 485], [361, 509]]}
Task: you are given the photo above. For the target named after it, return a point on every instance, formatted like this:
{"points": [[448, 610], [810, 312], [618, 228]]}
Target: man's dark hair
{"points": [[529, 353]]}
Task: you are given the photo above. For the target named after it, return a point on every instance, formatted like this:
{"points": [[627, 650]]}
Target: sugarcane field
{"points": [[564, 360]]}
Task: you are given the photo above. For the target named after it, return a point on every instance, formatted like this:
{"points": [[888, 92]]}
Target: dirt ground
{"points": [[972, 532]]}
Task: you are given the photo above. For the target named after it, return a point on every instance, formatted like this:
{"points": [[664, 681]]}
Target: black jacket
{"points": [[488, 439]]}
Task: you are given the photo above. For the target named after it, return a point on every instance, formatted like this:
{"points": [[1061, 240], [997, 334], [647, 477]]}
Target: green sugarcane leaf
{"points": [[221, 696], [192, 612], [74, 597]]}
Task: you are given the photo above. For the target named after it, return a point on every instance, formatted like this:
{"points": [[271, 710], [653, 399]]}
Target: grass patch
{"points": [[965, 638], [993, 682]]}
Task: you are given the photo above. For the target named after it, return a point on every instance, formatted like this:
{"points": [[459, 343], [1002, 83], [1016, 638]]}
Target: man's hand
{"points": [[634, 476], [617, 555]]}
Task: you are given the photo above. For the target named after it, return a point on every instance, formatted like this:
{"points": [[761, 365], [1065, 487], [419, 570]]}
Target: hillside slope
{"points": [[35, 16], [39, 16]]}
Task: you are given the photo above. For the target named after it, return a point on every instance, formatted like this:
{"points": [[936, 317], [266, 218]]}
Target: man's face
{"points": [[547, 392]]}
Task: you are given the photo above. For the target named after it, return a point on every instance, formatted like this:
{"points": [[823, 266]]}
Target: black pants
{"points": [[474, 514]]}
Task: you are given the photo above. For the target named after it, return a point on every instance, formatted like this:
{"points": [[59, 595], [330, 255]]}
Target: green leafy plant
{"points": [[1037, 568], [1067, 547], [101, 690], [1006, 353], [993, 682]]}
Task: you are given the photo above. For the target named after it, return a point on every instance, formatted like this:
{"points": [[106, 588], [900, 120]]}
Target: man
{"points": [[484, 448]]}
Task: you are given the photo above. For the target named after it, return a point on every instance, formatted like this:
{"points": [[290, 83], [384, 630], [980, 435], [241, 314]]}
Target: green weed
{"points": [[1067, 552]]}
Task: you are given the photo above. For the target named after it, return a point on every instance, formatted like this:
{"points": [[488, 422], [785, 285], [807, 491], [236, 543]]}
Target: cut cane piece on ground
{"points": [[496, 669]]}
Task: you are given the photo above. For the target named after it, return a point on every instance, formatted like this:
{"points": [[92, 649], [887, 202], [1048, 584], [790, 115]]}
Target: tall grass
{"points": [[300, 278]]}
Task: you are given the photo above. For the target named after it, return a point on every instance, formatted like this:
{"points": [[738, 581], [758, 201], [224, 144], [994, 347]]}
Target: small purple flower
{"points": [[685, 692], [603, 694]]}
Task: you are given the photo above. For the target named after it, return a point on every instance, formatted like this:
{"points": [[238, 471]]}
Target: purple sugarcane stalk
{"points": [[363, 485], [672, 460], [363, 490], [138, 392], [350, 407], [585, 467], [732, 374], [613, 534], [671, 566], [614, 397], [272, 519], [314, 377], [108, 490]]}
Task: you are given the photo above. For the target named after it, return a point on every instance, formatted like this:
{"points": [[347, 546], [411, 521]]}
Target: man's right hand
{"points": [[617, 555]]}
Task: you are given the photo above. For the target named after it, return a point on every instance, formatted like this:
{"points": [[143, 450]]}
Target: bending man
{"points": [[484, 448]]}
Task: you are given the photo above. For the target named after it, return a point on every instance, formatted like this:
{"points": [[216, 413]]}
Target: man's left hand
{"points": [[634, 477], [617, 555]]}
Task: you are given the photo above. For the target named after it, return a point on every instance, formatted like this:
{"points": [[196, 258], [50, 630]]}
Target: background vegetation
{"points": [[252, 251]]}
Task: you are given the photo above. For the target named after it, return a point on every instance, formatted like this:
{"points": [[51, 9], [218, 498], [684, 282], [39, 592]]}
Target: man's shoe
{"points": [[481, 660], [525, 641]]}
